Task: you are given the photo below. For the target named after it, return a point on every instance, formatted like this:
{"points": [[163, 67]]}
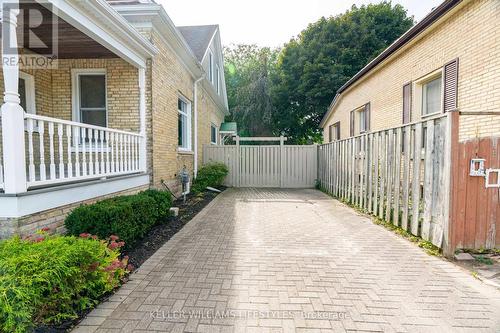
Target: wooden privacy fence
{"points": [[400, 175], [285, 166]]}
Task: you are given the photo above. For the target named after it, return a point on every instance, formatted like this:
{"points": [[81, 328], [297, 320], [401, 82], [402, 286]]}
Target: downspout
{"points": [[195, 162]]}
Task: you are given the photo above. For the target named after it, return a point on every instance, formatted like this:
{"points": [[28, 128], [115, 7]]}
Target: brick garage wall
{"points": [[52, 218], [470, 34]]}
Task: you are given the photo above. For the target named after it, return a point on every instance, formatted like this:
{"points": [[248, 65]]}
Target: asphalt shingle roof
{"points": [[198, 38]]}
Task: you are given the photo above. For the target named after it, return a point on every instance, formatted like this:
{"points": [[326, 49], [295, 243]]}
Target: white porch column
{"points": [[142, 116], [14, 158]]}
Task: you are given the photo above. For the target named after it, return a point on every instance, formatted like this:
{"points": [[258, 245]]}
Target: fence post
{"points": [[238, 167], [282, 161], [451, 173]]}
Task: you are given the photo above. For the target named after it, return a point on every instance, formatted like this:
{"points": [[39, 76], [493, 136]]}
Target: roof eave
{"points": [[413, 32], [408, 36], [159, 18]]}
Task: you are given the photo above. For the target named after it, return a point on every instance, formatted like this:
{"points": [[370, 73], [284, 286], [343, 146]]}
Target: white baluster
{"points": [[31, 166], [121, 152], [76, 140], [84, 151], [70, 164], [96, 151], [91, 156], [108, 163], [51, 152], [134, 151], [61, 152], [41, 132], [112, 146], [103, 163], [127, 153]]}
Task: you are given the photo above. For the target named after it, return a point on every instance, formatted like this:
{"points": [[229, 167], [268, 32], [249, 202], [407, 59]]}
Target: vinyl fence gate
{"points": [[270, 165]]}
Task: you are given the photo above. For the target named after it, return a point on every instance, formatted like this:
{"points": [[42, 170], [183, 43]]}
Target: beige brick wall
{"points": [[53, 96], [209, 113], [169, 79], [469, 33], [52, 218]]}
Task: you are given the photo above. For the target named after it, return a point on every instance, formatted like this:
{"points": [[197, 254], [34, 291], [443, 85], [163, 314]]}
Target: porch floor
{"points": [[294, 260]]}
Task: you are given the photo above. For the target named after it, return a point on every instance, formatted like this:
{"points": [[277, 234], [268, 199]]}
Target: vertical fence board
{"points": [[397, 176], [415, 202], [406, 178], [428, 175]]}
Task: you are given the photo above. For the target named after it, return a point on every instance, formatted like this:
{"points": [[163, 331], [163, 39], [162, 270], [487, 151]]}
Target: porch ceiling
{"points": [[72, 43]]}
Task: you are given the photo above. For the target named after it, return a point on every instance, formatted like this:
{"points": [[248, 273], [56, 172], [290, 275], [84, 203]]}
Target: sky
{"points": [[269, 22]]}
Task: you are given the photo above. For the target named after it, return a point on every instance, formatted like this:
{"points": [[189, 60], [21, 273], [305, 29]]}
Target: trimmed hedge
{"points": [[49, 279], [212, 174], [129, 217]]}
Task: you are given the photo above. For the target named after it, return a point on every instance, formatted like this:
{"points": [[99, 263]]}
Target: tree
{"points": [[247, 71], [313, 66]]}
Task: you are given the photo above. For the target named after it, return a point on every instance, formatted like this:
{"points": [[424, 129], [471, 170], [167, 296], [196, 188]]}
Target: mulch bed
{"points": [[161, 233], [145, 248]]}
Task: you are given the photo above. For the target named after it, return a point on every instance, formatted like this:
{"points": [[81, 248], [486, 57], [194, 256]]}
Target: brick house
{"points": [[405, 83], [435, 91], [128, 102], [186, 75]]}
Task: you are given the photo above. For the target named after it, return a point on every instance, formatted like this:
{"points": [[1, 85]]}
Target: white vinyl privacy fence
{"points": [[400, 175], [285, 166]]}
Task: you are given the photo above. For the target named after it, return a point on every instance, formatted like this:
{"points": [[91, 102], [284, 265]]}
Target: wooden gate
{"points": [[285, 166]]}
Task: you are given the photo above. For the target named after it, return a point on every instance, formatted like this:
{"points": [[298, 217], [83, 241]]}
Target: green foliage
{"points": [[163, 201], [288, 93], [48, 279], [129, 217], [313, 66], [247, 71], [212, 174]]}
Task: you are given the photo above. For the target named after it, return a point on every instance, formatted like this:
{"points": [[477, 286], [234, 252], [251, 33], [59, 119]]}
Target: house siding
{"points": [[470, 33]]}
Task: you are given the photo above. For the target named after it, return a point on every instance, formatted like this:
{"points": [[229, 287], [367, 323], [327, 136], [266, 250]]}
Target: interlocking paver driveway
{"points": [[294, 260]]}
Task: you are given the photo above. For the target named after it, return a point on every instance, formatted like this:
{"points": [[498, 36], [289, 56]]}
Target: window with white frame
{"points": [[89, 97], [217, 77], [362, 120], [429, 93], [211, 67], [27, 92], [184, 124], [213, 134]]}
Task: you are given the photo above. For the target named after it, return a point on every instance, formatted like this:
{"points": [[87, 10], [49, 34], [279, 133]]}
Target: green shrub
{"points": [[129, 217], [212, 174], [48, 279], [163, 201]]}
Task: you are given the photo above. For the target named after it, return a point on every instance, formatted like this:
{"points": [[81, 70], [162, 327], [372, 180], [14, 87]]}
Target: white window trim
{"points": [[189, 145], [418, 89], [211, 67], [75, 90], [29, 81], [217, 77], [357, 114], [216, 134]]}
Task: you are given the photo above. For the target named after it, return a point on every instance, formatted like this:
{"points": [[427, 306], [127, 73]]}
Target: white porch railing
{"points": [[60, 151], [1, 155]]}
